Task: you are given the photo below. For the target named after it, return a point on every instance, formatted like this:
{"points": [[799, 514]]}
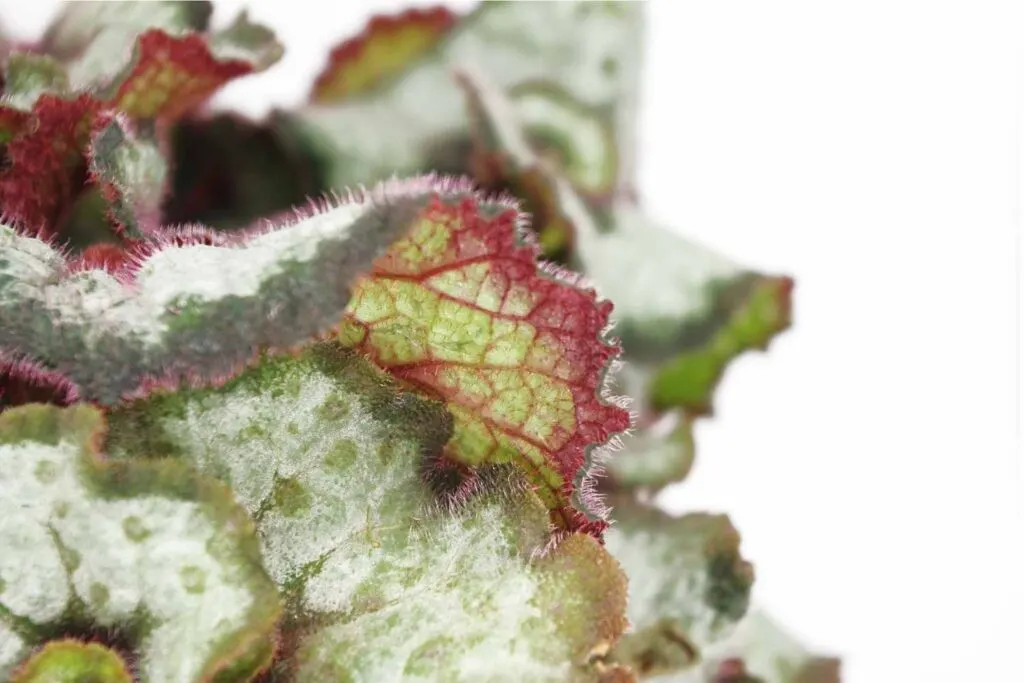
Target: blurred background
{"points": [[871, 459]]}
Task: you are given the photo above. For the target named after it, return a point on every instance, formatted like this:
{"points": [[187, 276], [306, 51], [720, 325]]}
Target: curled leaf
{"points": [[186, 310], [170, 75], [382, 581], [460, 308], [386, 47], [164, 559]]}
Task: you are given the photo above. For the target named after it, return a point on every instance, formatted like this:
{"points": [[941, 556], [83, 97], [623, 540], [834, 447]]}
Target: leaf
{"points": [[459, 307], [684, 313], [589, 51], [188, 311], [46, 160], [72, 661], [79, 25], [171, 75], [386, 46], [27, 76], [654, 457], [150, 552], [760, 651], [132, 173], [688, 584], [382, 580]]}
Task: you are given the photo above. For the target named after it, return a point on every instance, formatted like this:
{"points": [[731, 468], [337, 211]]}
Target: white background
{"points": [[870, 149]]}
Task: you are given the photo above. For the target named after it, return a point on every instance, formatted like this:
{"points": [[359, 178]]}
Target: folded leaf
{"points": [[150, 552], [461, 308], [187, 311], [688, 585], [589, 51], [383, 581]]}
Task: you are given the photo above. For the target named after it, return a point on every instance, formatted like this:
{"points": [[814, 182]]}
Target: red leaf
{"points": [[385, 47], [173, 75], [463, 310]]}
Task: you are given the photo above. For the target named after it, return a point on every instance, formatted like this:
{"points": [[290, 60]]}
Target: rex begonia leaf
{"points": [[170, 75], [759, 650], [461, 307], [46, 165], [683, 312], [181, 309], [157, 559], [589, 52], [688, 585], [384, 580], [132, 174], [386, 46]]}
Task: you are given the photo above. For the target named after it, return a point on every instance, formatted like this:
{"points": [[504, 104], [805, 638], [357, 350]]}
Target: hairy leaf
{"points": [[461, 308], [382, 580], [162, 558], [654, 457], [27, 76], [386, 46], [588, 51], [46, 159], [185, 310], [688, 584], [684, 312]]}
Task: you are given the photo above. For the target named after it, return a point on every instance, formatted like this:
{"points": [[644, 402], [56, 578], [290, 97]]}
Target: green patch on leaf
{"points": [[27, 76], [382, 581], [95, 548], [71, 661]]}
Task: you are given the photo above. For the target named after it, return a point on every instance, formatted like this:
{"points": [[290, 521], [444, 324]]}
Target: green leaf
{"points": [[27, 76], [149, 551], [72, 661], [195, 311], [591, 52], [336, 464], [688, 584]]}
